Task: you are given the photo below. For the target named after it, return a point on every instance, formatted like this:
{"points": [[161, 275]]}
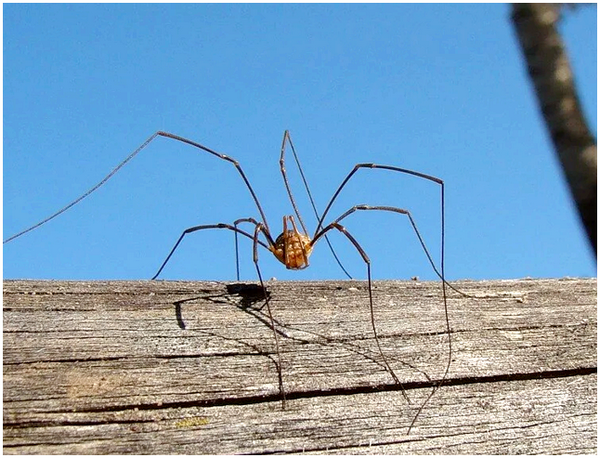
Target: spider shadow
{"points": [[250, 298], [250, 294]]}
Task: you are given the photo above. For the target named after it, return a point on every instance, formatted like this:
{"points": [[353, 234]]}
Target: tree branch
{"points": [[549, 69]]}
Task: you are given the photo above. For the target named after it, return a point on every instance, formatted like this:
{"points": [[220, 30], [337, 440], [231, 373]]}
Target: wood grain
{"points": [[188, 367]]}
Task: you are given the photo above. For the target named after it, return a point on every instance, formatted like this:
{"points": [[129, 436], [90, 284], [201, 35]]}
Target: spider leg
{"points": [[393, 169], [407, 172], [415, 228], [131, 156], [257, 230], [382, 167], [237, 257], [431, 178], [444, 283], [288, 139], [206, 226], [367, 261]]}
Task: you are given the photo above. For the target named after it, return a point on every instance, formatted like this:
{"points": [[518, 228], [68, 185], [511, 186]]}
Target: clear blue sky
{"points": [[440, 89]]}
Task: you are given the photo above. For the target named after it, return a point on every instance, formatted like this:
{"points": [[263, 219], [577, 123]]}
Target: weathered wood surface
{"points": [[187, 367]]}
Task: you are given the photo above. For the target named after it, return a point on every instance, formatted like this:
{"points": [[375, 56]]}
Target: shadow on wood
{"points": [[188, 367]]}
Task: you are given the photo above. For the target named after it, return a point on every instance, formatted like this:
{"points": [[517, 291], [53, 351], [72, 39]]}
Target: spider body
{"points": [[292, 248]]}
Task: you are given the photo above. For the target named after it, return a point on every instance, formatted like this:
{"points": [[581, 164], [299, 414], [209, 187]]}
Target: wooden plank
{"points": [[188, 367]]}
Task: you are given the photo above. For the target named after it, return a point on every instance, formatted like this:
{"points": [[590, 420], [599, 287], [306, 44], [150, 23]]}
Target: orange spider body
{"points": [[292, 248]]}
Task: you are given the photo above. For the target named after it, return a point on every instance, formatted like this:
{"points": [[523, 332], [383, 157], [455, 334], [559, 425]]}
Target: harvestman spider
{"points": [[293, 247]]}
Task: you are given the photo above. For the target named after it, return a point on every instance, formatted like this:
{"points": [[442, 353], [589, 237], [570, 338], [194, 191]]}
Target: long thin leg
{"points": [[131, 156], [414, 225], [287, 138], [383, 167], [258, 229], [237, 255], [441, 272], [367, 261], [207, 226], [393, 169]]}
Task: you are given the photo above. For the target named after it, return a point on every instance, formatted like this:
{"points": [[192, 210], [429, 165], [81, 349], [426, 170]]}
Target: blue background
{"points": [[441, 89]]}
